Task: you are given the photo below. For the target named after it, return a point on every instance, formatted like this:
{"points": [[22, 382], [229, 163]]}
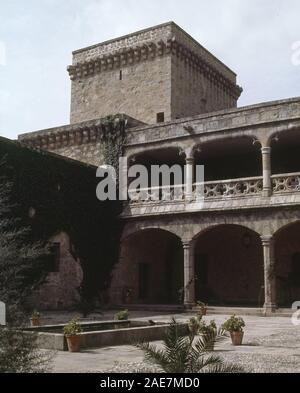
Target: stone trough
{"points": [[103, 334]]}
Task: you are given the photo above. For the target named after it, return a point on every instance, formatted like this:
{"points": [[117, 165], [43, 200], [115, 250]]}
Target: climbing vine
{"points": [[61, 193], [113, 139]]}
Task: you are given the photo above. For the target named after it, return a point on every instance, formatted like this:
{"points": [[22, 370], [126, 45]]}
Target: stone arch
{"points": [[139, 151], [281, 130], [229, 267], [280, 221], [285, 147], [150, 268], [206, 228], [131, 230], [229, 157], [285, 226], [287, 263]]}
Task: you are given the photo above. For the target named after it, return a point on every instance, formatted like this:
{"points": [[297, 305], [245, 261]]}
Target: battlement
{"points": [[146, 40], [153, 75]]}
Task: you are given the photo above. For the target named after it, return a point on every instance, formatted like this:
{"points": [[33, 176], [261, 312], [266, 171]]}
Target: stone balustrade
{"points": [[208, 190], [173, 193], [233, 188], [289, 182], [221, 189]]}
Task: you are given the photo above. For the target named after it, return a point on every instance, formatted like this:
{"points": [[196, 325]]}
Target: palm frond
{"points": [[180, 354]]}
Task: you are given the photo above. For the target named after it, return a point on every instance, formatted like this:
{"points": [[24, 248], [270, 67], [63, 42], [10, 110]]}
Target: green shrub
{"points": [[201, 304], [72, 328], [122, 315], [180, 354], [197, 326], [205, 328], [35, 314], [234, 324]]}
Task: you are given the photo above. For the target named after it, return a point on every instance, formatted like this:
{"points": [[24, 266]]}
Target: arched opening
{"points": [[150, 269], [230, 159], [287, 264], [229, 267], [286, 152], [169, 156]]}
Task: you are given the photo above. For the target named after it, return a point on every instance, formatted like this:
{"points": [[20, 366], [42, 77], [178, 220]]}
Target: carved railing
{"points": [[158, 194], [221, 189], [208, 190], [233, 188], [289, 182]]}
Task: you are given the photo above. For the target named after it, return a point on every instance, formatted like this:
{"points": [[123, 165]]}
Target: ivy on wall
{"points": [[113, 138], [62, 195]]}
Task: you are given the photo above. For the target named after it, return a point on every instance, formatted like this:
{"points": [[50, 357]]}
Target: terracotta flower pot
{"points": [[237, 338], [203, 311], [73, 343], [35, 321]]}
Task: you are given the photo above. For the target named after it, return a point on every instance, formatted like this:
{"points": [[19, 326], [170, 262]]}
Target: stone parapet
{"points": [[73, 135], [147, 52]]}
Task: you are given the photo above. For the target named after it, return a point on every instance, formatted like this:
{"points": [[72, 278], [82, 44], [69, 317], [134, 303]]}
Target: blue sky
{"points": [[253, 37]]}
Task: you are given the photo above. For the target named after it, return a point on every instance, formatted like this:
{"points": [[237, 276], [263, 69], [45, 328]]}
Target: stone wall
{"points": [[90, 153], [194, 93], [81, 141], [60, 291], [144, 91], [142, 73], [163, 254], [234, 269], [161, 32]]}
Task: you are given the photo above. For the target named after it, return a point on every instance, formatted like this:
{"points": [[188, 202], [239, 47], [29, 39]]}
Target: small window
{"points": [[55, 257], [160, 117], [121, 75]]}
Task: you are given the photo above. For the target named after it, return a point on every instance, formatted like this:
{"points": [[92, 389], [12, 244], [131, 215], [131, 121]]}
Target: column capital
{"points": [[266, 239], [186, 244], [266, 150], [189, 160], [188, 152]]}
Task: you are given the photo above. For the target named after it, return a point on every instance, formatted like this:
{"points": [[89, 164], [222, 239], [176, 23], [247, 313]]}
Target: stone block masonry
{"points": [[161, 70]]}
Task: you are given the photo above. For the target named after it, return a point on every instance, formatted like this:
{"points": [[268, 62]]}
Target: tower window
{"points": [[55, 257], [160, 117], [121, 75]]}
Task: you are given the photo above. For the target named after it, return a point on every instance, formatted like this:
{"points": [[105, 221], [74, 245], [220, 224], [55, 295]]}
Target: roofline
{"points": [[208, 115], [170, 23], [122, 37], [47, 153]]}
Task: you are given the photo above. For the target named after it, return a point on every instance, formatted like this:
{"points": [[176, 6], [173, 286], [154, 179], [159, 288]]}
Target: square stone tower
{"points": [[154, 75]]}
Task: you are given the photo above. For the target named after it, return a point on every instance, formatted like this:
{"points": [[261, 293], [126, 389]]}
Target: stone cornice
{"points": [[149, 51], [73, 135]]}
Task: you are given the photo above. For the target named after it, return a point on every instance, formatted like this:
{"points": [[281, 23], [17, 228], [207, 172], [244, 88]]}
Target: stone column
{"points": [[189, 275], [189, 178], [266, 164], [269, 274]]}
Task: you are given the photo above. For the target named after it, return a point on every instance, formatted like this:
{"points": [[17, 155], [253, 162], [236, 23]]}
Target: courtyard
{"points": [[271, 345]]}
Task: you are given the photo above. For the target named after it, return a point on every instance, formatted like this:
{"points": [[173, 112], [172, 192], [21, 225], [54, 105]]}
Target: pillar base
{"points": [[270, 308], [189, 306], [266, 192]]}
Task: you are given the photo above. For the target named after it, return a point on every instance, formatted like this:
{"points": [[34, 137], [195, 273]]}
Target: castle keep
{"points": [[158, 74], [179, 104]]}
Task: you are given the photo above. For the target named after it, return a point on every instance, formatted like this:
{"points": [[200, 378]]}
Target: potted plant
{"points": [[199, 327], [35, 319], [234, 325], [72, 332], [202, 308], [122, 315]]}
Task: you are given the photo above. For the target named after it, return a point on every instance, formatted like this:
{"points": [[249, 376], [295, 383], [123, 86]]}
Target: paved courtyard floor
{"points": [[271, 345]]}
